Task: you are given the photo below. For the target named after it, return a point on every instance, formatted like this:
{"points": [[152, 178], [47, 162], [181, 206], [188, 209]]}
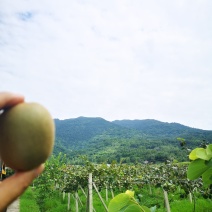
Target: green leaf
{"points": [[202, 154], [209, 163], [119, 202], [145, 209], [134, 208], [130, 193], [125, 203], [196, 168], [209, 150], [207, 177], [193, 155]]}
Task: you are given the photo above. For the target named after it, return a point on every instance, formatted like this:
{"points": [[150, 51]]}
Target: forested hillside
{"points": [[128, 141], [160, 129]]}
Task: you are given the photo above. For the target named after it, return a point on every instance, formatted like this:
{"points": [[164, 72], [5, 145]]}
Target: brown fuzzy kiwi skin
{"points": [[27, 134]]}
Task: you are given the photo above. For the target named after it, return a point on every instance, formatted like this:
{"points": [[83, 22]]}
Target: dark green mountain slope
{"points": [[154, 128], [128, 140], [77, 133], [74, 132]]}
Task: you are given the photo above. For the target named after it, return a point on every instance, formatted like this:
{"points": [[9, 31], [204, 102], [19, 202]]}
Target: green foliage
{"points": [[168, 130], [126, 202], [183, 205], [28, 201], [147, 181], [57, 204], [196, 169], [201, 165], [201, 153], [127, 141], [47, 181]]}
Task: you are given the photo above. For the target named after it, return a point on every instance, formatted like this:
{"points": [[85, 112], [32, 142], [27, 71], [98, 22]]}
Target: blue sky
{"points": [[114, 59]]}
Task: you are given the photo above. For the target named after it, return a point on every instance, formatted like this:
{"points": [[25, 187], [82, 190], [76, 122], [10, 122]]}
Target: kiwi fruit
{"points": [[27, 134]]}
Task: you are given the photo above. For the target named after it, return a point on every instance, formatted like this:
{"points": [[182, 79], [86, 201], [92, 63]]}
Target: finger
{"points": [[12, 187], [9, 99]]}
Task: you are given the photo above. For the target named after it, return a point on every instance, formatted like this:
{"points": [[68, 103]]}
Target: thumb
{"points": [[12, 187]]}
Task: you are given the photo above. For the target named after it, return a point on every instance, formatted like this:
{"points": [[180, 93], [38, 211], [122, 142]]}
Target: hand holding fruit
{"points": [[27, 156], [26, 136]]}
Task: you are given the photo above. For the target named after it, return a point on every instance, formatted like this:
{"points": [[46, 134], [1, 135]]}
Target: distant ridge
{"points": [[129, 140], [155, 127]]}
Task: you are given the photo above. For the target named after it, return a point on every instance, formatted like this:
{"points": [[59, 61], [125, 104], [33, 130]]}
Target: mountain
{"points": [[75, 133], [127, 140], [164, 129]]}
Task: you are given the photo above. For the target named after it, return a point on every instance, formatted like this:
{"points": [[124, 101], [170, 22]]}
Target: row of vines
{"points": [[122, 177]]}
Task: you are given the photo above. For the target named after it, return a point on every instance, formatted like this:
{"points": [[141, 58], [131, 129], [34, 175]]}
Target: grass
{"points": [[177, 204], [57, 204], [28, 202], [202, 205]]}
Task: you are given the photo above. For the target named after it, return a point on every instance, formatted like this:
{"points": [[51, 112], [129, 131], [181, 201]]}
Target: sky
{"points": [[115, 59]]}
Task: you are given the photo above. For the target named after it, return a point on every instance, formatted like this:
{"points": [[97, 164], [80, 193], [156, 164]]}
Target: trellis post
{"points": [[69, 196], [89, 207], [100, 197], [166, 201]]}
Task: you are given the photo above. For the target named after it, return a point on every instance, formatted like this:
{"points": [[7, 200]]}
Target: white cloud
{"points": [[114, 59]]}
